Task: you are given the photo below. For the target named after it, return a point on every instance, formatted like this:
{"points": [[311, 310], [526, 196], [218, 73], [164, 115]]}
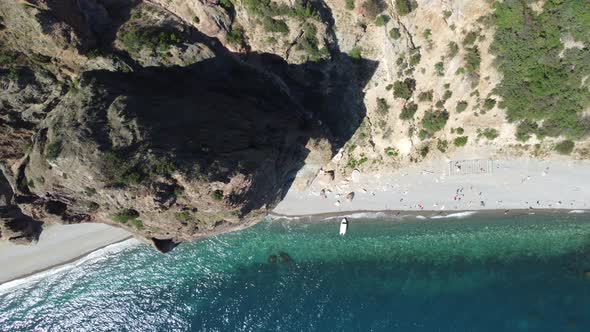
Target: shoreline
{"points": [[58, 245], [426, 214], [61, 264]]}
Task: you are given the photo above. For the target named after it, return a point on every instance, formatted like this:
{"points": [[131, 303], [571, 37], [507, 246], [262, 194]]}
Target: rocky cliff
{"points": [[177, 119]]}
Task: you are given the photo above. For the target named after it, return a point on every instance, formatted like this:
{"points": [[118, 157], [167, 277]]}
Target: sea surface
{"points": [[478, 273]]}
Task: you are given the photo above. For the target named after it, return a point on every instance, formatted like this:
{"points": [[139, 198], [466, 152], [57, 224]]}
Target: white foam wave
{"points": [[577, 211], [458, 215], [420, 217], [97, 254]]}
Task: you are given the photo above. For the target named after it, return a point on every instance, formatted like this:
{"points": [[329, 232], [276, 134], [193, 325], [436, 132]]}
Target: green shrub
{"points": [[460, 130], [355, 53], [460, 141], [92, 206], [372, 8], [183, 216], [490, 133], [472, 60], [408, 111], [448, 94], [271, 25], [137, 224], [53, 150], [565, 147], [439, 68], [426, 95], [447, 14], [120, 169], [226, 4], [125, 216], [452, 49], [217, 195], [460, 71], [196, 20], [405, 7], [158, 40], [350, 4], [434, 121], [489, 103], [391, 152], [382, 106], [424, 151], [235, 36], [525, 129], [470, 38], [395, 34], [404, 89], [415, 58], [426, 34], [381, 20], [442, 145]]}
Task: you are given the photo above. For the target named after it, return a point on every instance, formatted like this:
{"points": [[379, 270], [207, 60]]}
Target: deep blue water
{"points": [[481, 273]]}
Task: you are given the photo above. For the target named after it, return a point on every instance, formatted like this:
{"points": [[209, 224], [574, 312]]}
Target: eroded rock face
{"points": [[139, 114], [189, 149]]}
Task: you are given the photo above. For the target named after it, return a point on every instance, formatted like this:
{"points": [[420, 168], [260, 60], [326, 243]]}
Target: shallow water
{"points": [[480, 273]]}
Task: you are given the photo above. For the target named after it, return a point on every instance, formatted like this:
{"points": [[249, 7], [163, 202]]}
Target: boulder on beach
{"points": [[326, 177], [350, 196]]}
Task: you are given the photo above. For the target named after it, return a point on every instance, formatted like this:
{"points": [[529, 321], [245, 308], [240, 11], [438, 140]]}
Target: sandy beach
{"points": [[451, 185], [57, 245]]}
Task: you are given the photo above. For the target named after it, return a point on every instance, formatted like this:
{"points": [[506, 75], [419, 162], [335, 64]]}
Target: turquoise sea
{"points": [[480, 273]]}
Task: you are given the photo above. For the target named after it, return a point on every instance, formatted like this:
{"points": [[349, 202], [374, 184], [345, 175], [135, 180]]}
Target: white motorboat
{"points": [[343, 226]]}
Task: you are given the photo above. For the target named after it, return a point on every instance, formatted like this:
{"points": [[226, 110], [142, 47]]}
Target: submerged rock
{"points": [[272, 259]]}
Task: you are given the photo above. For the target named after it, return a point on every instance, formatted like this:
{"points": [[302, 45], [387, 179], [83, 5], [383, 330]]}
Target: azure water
{"points": [[480, 273]]}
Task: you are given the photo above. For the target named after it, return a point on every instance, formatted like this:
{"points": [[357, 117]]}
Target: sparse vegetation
{"points": [[442, 145], [448, 94], [405, 7], [137, 224], [460, 141], [565, 147], [447, 13], [161, 41], [408, 111], [489, 133], [355, 53], [271, 25], [183, 216], [452, 49], [489, 103], [382, 106], [426, 95], [217, 195], [120, 169], [434, 121], [391, 152], [125, 216], [350, 4], [439, 68], [404, 89], [53, 150], [472, 61], [381, 20], [235, 36], [395, 34], [372, 8], [470, 38]]}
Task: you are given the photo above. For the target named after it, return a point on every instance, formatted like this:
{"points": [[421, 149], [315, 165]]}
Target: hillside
{"points": [[179, 119]]}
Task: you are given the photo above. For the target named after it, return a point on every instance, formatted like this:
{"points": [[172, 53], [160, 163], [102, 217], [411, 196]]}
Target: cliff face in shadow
{"points": [[175, 151]]}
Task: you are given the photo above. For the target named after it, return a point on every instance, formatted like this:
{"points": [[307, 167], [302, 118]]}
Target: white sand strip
{"points": [[57, 245], [438, 186]]}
